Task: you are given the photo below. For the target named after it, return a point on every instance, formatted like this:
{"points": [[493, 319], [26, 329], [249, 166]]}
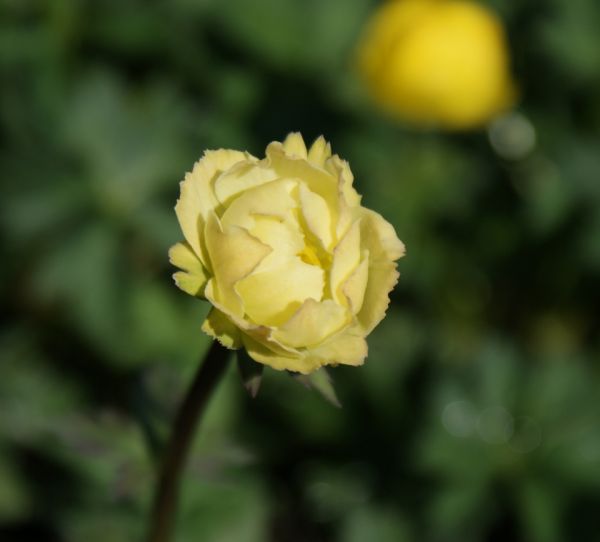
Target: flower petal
{"points": [[234, 254], [346, 258], [347, 348], [240, 178], [316, 179], [341, 169], [379, 236], [181, 255], [294, 145], [260, 353], [312, 323], [192, 280], [220, 327], [317, 216], [319, 152], [197, 198], [383, 276], [271, 297], [273, 198], [355, 285], [190, 284], [285, 238]]}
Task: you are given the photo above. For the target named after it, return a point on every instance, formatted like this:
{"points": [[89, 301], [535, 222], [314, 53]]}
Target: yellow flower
{"points": [[297, 271], [439, 62]]}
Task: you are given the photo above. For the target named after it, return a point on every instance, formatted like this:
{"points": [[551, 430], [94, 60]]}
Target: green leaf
{"points": [[250, 371]]}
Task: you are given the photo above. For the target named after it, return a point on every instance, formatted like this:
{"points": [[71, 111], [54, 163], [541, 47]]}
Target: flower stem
{"points": [[176, 451]]}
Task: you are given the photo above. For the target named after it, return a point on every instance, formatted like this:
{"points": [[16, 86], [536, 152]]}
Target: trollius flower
{"points": [[297, 271], [437, 62]]}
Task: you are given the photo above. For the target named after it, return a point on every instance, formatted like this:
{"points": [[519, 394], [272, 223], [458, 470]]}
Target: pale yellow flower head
{"points": [[297, 271], [437, 62]]}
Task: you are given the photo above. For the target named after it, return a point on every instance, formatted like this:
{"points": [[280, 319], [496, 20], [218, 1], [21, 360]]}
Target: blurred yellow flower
{"points": [[297, 271], [437, 62]]}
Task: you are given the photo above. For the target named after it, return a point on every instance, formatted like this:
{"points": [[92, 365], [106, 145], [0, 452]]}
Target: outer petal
{"points": [[197, 198], [312, 323], [260, 353], [379, 236], [258, 333], [220, 327], [382, 279], [190, 284], [181, 255], [346, 348], [192, 279], [234, 254]]}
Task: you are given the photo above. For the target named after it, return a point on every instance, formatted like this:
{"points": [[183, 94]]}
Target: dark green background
{"points": [[477, 414]]}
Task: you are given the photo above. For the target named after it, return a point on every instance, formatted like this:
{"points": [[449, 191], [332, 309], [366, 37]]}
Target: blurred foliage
{"points": [[477, 415]]}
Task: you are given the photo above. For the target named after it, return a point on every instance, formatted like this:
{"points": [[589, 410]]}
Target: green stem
{"points": [[176, 451]]}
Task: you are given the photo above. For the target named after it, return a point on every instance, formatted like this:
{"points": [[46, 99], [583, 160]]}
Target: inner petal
{"points": [[317, 216], [273, 295], [283, 236], [241, 177], [272, 198], [234, 253], [316, 179]]}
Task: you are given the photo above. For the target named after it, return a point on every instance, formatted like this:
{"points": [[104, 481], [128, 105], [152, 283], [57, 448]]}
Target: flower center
{"points": [[308, 255]]}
